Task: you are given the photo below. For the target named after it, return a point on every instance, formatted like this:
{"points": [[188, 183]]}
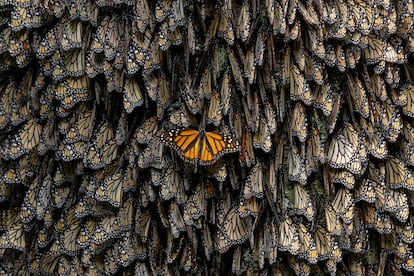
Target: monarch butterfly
{"points": [[152, 154], [157, 264], [196, 205], [406, 146], [331, 55], [27, 138], [143, 222], [396, 173], [143, 16], [300, 267], [110, 189], [366, 191], [251, 109], [114, 39], [126, 214], [103, 150], [270, 240], [174, 37], [343, 203], [243, 22], [13, 234], [188, 259], [72, 86], [174, 247], [377, 146], [172, 183], [98, 40], [408, 109], [401, 249], [279, 23], [87, 11], [383, 223], [309, 14], [125, 250], [399, 98], [48, 44], [72, 35], [233, 231], [324, 242], [250, 61], [44, 237], [176, 220], [12, 148], [54, 7], [207, 241], [296, 165], [225, 26], [396, 203], [218, 171], [323, 98], [262, 138], [29, 17], [49, 263], [314, 151], [94, 64], [405, 233], [109, 262], [162, 10], [237, 72], [299, 88], [74, 62], [391, 121], [201, 147], [333, 224], [106, 228], [182, 117], [115, 78], [146, 131], [246, 156], [359, 95], [122, 129], [214, 114], [347, 150], [249, 207], [30, 202], [392, 75], [253, 186], [70, 235], [146, 193], [270, 118], [302, 202], [375, 50], [300, 122], [307, 249], [314, 42], [60, 195], [288, 236]]}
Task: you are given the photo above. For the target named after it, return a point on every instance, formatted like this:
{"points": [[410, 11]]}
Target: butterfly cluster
{"points": [[167, 137]]}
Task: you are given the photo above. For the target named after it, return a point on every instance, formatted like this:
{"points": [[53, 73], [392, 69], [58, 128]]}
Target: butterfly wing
{"points": [[185, 142], [215, 145]]}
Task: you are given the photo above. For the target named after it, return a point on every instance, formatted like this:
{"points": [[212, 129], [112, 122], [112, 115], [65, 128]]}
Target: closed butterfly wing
{"points": [[233, 231], [288, 236]]}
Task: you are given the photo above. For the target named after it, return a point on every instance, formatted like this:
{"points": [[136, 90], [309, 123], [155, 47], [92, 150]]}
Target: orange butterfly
{"points": [[200, 147]]}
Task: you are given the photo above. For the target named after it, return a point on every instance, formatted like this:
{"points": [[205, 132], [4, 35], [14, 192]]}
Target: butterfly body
{"points": [[200, 147]]}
